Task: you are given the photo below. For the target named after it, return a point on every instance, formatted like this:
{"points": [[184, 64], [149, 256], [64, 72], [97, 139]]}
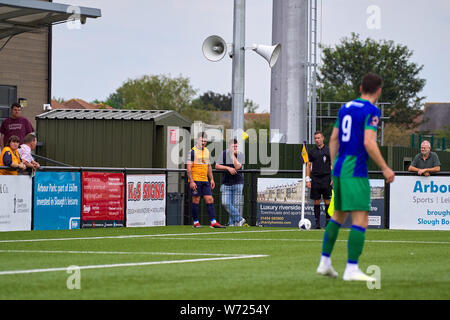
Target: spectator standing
{"points": [[232, 182], [15, 125], [426, 161]]}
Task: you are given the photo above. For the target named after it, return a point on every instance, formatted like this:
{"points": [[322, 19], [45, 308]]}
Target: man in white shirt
{"points": [[25, 149]]}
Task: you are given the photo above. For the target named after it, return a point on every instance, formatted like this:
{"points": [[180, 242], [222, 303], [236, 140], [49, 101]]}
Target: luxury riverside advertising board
{"points": [[103, 200], [146, 200], [420, 203], [15, 203], [279, 203], [57, 200]]}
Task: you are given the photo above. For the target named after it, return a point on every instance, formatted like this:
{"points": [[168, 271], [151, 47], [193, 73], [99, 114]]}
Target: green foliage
{"points": [[444, 132], [162, 92], [213, 101], [60, 100], [250, 106], [115, 100], [157, 92], [345, 64]]}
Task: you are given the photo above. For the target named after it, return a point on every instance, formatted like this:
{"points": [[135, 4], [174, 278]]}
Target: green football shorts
{"points": [[351, 194]]}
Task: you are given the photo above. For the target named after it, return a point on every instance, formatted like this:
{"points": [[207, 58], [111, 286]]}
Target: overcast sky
{"points": [[151, 37]]}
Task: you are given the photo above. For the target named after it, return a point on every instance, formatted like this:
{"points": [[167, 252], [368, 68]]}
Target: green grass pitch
{"points": [[182, 263]]}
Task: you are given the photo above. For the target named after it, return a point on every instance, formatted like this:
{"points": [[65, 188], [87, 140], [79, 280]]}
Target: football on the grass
{"points": [[304, 224]]}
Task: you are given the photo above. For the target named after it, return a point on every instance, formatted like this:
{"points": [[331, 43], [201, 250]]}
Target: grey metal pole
{"points": [[313, 49], [238, 73], [296, 73], [276, 105]]}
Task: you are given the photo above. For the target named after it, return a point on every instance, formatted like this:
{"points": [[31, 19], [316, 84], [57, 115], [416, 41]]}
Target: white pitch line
{"points": [[124, 253], [306, 240], [131, 264], [140, 236], [168, 235]]}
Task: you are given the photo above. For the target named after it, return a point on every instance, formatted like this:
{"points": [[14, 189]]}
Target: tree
{"points": [[250, 106], [161, 92], [444, 132], [115, 100], [156, 92], [213, 101], [345, 64], [60, 100]]}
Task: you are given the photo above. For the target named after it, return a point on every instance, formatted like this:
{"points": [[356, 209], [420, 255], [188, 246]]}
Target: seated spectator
{"points": [[29, 143], [425, 162], [10, 157]]}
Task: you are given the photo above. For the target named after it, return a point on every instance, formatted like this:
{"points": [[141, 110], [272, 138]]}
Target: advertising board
{"points": [[146, 200], [102, 200], [15, 200], [420, 203], [57, 200]]}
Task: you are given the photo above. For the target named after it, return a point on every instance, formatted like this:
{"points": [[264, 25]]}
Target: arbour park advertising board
{"points": [[57, 200], [420, 203]]}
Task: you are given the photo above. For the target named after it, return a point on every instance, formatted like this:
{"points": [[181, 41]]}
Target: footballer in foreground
{"points": [[352, 141]]}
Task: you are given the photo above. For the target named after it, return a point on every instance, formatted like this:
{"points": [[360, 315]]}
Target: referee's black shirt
{"points": [[321, 161]]}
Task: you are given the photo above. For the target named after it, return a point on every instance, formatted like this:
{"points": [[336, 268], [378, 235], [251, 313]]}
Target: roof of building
{"points": [[436, 117], [79, 104], [257, 116], [223, 116], [57, 105], [163, 117], [30, 15]]}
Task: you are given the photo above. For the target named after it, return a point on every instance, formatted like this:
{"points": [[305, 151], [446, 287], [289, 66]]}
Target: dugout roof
{"points": [[19, 16], [160, 117]]}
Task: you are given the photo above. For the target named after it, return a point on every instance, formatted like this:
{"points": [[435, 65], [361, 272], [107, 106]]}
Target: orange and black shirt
{"points": [[199, 158]]}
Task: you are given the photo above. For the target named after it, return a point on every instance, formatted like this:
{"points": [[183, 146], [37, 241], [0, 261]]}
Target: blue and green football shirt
{"points": [[354, 118]]}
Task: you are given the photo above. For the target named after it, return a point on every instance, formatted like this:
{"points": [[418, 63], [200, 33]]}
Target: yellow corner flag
{"points": [[304, 153], [331, 207]]}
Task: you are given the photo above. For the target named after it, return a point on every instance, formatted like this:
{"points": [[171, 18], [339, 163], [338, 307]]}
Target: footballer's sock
{"points": [[317, 214], [355, 244], [329, 237], [195, 209], [211, 212], [327, 216]]}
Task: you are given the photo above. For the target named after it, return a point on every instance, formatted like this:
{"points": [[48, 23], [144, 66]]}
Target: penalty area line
{"points": [[131, 264], [142, 236], [124, 253]]}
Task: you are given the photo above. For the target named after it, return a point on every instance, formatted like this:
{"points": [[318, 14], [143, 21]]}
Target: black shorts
{"points": [[203, 189], [320, 187]]}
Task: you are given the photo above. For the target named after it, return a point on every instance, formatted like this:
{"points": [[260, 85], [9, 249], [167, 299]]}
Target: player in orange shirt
{"points": [[198, 170]]}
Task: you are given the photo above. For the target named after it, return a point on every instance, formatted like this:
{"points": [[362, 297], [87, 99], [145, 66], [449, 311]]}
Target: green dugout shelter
{"points": [[109, 138]]}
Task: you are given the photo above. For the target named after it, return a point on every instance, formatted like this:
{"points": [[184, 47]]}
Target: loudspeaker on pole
{"points": [[214, 48], [270, 53]]}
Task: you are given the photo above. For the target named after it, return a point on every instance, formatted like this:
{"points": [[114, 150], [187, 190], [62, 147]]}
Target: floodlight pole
{"points": [[238, 72]]}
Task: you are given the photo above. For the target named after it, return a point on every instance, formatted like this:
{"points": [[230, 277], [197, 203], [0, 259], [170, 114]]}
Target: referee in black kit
{"points": [[318, 178]]}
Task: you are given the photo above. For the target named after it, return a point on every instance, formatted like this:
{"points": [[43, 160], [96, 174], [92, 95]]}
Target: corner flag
{"points": [[304, 153], [331, 206], [305, 160]]}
